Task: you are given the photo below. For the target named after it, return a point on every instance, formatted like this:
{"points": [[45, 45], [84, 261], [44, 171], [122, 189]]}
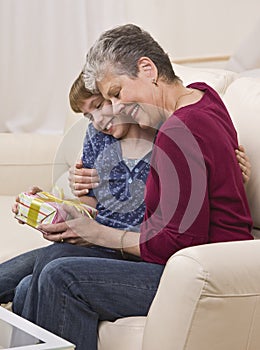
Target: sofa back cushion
{"points": [[242, 99], [68, 152], [218, 79], [26, 159]]}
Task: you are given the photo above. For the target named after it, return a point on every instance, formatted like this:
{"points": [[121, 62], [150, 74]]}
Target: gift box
{"points": [[45, 208]]}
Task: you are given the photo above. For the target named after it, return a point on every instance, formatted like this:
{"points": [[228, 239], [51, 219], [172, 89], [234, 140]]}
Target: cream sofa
{"points": [[209, 296]]}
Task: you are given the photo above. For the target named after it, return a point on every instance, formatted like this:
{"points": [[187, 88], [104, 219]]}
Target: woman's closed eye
{"points": [[114, 93], [99, 106], [117, 94]]}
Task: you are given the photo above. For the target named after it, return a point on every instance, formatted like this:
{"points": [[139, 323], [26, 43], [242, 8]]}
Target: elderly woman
{"points": [[194, 192]]}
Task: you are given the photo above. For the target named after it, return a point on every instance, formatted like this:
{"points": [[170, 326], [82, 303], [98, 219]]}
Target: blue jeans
{"points": [[20, 294], [13, 271], [69, 296], [44, 256], [19, 270]]}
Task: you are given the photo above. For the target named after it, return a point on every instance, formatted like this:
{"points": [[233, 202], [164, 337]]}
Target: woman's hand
{"points": [[63, 232], [80, 230], [244, 163], [32, 190], [82, 179]]}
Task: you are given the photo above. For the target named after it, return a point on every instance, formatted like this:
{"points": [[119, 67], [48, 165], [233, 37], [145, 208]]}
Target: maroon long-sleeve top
{"points": [[194, 191]]}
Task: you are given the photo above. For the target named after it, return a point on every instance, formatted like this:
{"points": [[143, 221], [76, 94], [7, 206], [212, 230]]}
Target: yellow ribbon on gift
{"points": [[34, 211], [48, 197], [82, 208]]}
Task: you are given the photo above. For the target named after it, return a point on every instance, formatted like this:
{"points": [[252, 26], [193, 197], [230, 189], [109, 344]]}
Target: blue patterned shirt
{"points": [[120, 194]]}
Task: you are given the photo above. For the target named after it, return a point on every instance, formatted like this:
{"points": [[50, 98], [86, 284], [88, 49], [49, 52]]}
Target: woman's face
{"points": [[132, 97], [100, 112]]}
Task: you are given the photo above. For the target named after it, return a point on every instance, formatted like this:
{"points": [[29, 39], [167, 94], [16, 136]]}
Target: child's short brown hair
{"points": [[78, 94]]}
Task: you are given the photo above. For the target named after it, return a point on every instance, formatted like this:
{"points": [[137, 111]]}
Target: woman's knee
{"points": [[54, 271]]}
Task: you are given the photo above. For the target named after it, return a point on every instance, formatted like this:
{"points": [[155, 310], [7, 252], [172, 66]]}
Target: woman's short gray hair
{"points": [[119, 50]]}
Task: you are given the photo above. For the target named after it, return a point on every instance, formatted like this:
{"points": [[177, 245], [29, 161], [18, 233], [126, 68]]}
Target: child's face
{"points": [[100, 112]]}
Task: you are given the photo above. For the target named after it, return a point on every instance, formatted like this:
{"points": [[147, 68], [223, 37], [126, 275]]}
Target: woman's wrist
{"points": [[127, 242]]}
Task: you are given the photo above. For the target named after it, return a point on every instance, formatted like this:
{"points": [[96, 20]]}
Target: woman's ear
{"points": [[147, 68]]}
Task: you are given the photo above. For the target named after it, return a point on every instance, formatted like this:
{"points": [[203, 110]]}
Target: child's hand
{"points": [[34, 189], [82, 179], [244, 163]]}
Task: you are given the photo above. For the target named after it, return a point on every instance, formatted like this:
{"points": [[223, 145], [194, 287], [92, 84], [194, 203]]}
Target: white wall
{"points": [[196, 27], [43, 45]]}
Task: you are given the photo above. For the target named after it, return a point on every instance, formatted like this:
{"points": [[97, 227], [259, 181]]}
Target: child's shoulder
{"points": [[98, 138]]}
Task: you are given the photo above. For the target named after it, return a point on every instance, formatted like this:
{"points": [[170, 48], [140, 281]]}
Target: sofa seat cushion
{"points": [[125, 333]]}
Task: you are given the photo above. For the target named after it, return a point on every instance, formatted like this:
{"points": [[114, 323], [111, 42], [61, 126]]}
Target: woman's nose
{"points": [[107, 110], [118, 108], [98, 119], [98, 115]]}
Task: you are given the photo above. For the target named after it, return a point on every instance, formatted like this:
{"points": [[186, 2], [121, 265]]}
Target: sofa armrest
{"points": [[26, 159], [203, 293]]}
